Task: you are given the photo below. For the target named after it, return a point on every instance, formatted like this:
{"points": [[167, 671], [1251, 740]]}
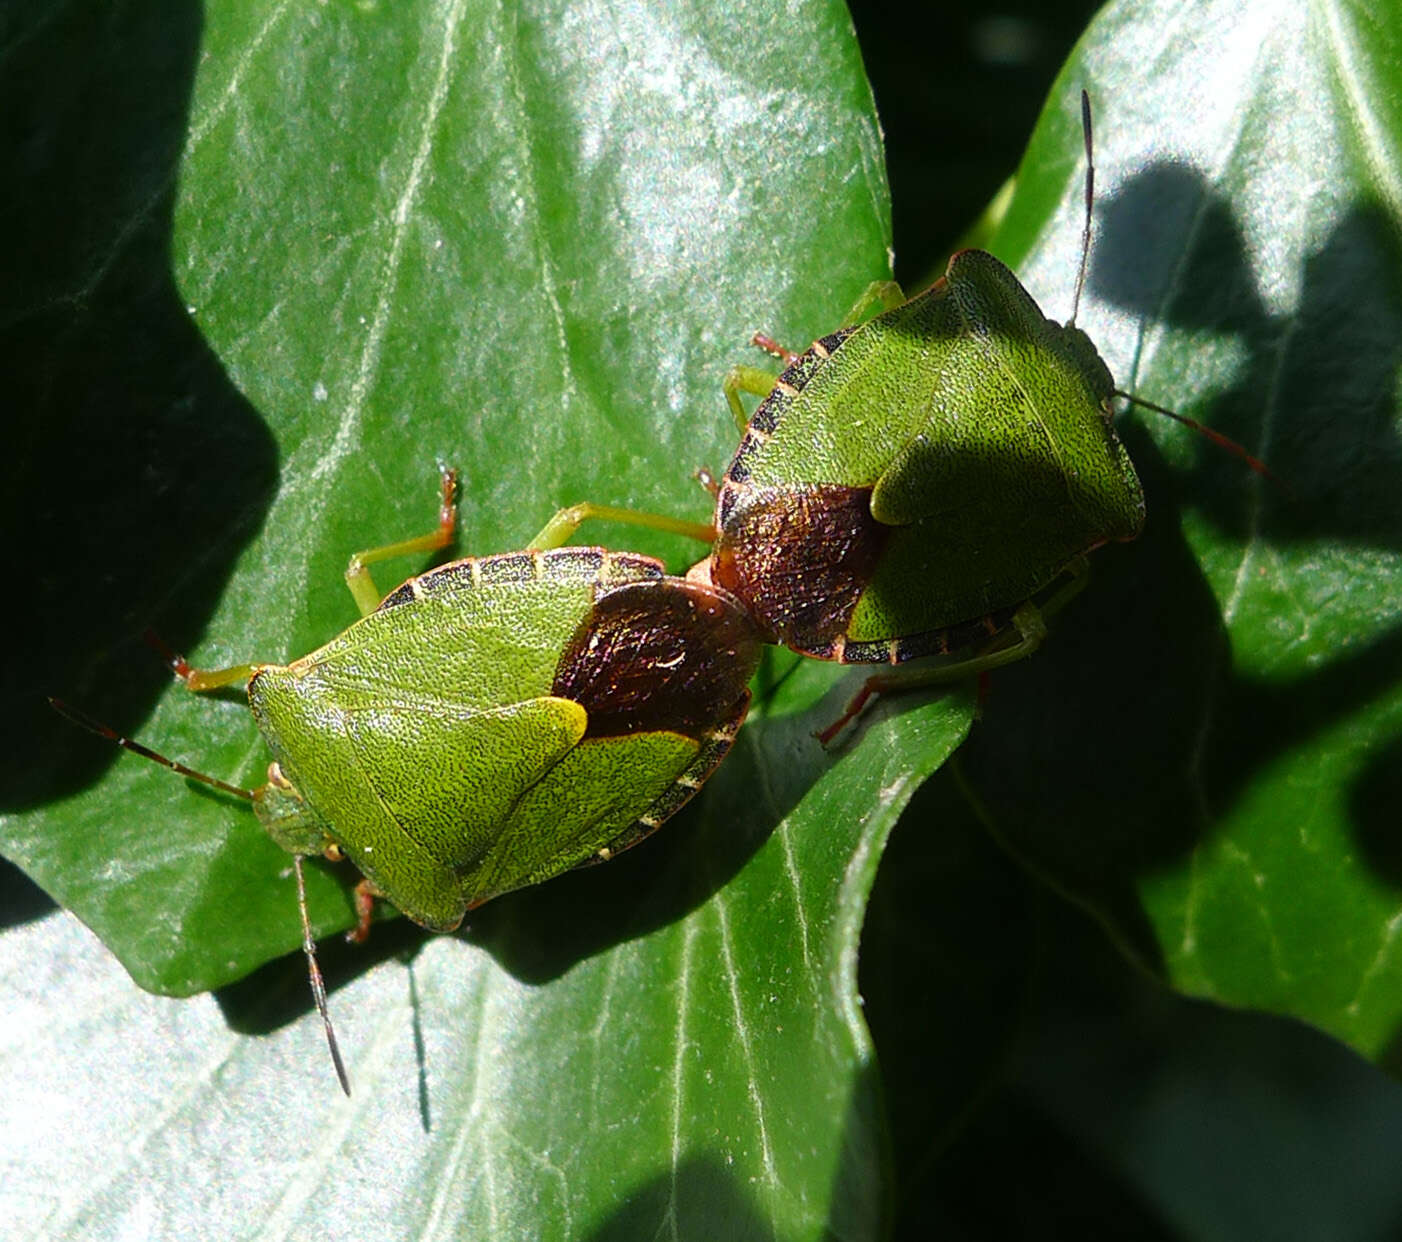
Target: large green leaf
{"points": [[528, 242], [1206, 755], [224, 392]]}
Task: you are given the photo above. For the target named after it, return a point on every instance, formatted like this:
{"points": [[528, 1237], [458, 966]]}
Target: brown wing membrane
{"points": [[672, 655], [800, 559]]}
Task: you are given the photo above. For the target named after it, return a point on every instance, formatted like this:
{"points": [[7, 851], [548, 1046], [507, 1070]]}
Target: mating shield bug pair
{"points": [[924, 483]]}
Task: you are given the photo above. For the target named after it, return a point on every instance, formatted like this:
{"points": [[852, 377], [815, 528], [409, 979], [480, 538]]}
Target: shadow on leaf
{"points": [[1112, 754], [136, 464]]}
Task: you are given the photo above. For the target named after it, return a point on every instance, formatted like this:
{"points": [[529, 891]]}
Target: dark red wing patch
{"points": [[671, 655], [799, 559]]}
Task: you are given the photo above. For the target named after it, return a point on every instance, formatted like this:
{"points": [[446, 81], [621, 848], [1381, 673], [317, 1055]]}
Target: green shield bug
{"points": [[926, 481], [491, 723], [916, 484], [908, 483]]}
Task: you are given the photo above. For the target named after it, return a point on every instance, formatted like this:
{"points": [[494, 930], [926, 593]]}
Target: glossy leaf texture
{"points": [[274, 262], [1207, 756]]}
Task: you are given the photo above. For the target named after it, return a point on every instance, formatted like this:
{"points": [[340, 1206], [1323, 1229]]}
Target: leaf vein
{"points": [[348, 428]]}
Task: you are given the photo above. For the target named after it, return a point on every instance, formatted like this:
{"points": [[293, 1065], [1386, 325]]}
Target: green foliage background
{"points": [[270, 262]]}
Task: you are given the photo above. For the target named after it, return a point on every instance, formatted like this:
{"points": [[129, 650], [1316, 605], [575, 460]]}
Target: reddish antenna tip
{"points": [[84, 721], [1216, 437]]}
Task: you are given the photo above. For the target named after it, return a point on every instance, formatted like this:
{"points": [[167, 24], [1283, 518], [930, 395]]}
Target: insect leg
{"points": [[754, 380], [1027, 633], [362, 585], [883, 295], [199, 679], [364, 896], [561, 528]]}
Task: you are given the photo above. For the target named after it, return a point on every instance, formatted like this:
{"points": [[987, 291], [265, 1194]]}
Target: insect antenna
{"points": [[84, 721], [314, 972], [1090, 199], [1216, 437]]}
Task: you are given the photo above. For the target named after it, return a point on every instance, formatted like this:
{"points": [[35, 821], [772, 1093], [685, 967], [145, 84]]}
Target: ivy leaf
{"points": [[340, 244], [1206, 755]]}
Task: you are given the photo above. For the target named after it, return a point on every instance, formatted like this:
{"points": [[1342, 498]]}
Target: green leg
{"points": [[563, 525], [213, 678], [200, 678], [362, 585], [883, 294], [1029, 630], [753, 380]]}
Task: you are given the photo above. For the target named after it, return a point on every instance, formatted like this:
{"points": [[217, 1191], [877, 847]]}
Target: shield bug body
{"points": [[499, 720], [907, 484], [929, 482], [490, 723]]}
